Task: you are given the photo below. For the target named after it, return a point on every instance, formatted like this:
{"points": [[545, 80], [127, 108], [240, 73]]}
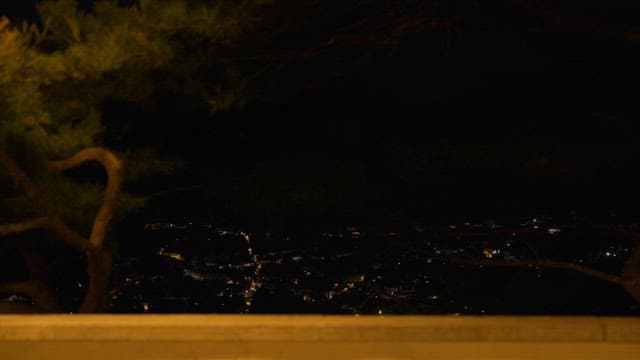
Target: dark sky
{"points": [[16, 8], [476, 118]]}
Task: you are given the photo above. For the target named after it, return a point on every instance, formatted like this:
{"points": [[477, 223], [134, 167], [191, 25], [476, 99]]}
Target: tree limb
{"points": [[113, 167], [22, 182], [19, 227], [526, 262], [99, 262], [550, 264], [630, 279], [448, 233]]}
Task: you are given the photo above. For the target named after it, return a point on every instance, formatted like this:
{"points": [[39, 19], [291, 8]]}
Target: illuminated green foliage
{"points": [[55, 80]]}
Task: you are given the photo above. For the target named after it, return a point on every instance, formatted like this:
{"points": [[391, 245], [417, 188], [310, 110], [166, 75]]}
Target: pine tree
{"points": [[54, 79]]}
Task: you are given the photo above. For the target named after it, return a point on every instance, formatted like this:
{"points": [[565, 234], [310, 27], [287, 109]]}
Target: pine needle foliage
{"points": [[55, 79]]}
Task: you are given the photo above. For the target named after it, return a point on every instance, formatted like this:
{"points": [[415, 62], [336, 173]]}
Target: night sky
{"points": [[504, 113]]}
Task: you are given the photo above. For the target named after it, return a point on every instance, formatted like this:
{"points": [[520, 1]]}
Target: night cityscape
{"points": [[201, 267], [368, 157]]}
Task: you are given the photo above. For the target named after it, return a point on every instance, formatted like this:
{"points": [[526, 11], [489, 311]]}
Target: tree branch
{"points": [[19, 227], [630, 279], [22, 182], [550, 264], [446, 232], [528, 263], [99, 262], [113, 167]]}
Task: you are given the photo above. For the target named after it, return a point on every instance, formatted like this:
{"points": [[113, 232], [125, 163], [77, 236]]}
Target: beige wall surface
{"points": [[316, 337]]}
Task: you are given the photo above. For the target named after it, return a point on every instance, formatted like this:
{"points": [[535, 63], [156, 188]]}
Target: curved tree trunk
{"points": [[99, 260], [99, 263]]}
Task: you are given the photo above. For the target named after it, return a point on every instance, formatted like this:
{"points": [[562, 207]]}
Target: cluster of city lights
{"points": [[255, 284]]}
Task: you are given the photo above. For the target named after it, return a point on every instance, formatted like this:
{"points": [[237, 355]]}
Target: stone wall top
{"points": [[314, 328]]}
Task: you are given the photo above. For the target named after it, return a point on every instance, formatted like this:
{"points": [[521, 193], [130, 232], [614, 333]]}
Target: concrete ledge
{"points": [[317, 328], [292, 336]]}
